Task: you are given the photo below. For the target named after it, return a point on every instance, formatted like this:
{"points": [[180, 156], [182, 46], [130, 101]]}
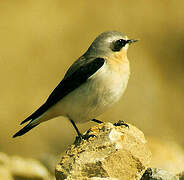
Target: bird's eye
{"points": [[117, 45]]}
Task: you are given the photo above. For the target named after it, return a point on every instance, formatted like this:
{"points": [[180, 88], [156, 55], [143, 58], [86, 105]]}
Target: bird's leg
{"points": [[80, 136], [77, 130], [97, 121]]}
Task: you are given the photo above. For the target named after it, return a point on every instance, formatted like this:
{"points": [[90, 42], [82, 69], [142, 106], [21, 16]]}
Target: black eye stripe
{"points": [[121, 42], [117, 45]]}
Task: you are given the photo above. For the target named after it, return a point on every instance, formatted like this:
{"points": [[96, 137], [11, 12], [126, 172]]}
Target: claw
{"points": [[121, 123], [83, 137], [97, 121]]}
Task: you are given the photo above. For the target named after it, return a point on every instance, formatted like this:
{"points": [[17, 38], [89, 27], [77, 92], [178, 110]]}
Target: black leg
{"points": [[77, 130], [97, 121], [80, 136]]}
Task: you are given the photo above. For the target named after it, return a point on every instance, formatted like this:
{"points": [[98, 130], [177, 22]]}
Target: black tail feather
{"points": [[25, 129], [36, 114]]}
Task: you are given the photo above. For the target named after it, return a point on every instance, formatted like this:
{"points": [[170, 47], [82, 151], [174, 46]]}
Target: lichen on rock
{"points": [[114, 153]]}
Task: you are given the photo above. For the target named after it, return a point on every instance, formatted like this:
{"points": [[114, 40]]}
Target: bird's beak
{"points": [[130, 41]]}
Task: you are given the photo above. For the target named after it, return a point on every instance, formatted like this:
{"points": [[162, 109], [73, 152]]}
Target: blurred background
{"points": [[39, 40]]}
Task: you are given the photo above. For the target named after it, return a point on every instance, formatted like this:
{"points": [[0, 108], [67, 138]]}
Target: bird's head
{"points": [[108, 43]]}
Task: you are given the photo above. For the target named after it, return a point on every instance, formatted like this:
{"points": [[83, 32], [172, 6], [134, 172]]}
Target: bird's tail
{"points": [[25, 129], [35, 119]]}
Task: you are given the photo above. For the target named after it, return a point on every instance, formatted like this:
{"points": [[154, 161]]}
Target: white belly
{"points": [[94, 97]]}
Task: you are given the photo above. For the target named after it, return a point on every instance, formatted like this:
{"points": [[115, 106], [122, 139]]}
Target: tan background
{"points": [[40, 39]]}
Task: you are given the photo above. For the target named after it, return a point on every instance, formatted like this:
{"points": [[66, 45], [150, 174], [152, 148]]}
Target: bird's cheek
{"points": [[126, 47]]}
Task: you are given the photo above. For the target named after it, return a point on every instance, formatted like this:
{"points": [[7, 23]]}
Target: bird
{"points": [[92, 84]]}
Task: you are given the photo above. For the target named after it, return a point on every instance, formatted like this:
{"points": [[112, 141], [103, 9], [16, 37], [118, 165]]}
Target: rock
{"points": [[181, 175], [166, 155], [115, 153], [158, 174], [49, 161], [4, 159], [5, 174], [28, 168], [4, 171], [17, 168]]}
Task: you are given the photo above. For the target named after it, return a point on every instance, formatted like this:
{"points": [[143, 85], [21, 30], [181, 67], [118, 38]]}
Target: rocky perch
{"points": [[109, 152], [113, 152]]}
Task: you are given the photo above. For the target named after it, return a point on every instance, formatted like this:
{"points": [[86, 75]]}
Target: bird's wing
{"points": [[77, 74]]}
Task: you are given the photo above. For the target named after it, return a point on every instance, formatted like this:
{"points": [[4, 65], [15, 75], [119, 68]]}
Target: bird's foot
{"points": [[81, 137], [97, 121], [121, 123]]}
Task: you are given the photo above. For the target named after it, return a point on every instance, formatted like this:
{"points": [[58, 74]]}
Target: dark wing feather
{"points": [[70, 82]]}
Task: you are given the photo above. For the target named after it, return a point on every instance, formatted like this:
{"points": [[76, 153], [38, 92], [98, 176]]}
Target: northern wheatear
{"points": [[91, 85]]}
